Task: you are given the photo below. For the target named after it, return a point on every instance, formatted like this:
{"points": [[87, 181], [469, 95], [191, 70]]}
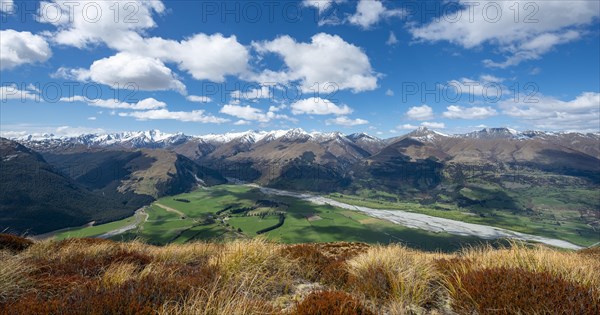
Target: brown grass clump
{"points": [[312, 260], [518, 291], [14, 243], [330, 303], [592, 252], [89, 266], [569, 266], [124, 288], [325, 263], [139, 296], [60, 265], [342, 250]]}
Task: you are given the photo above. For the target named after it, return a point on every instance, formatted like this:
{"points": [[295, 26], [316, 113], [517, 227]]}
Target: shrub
{"points": [[90, 266], [129, 295], [14, 243], [518, 291], [567, 265], [271, 228], [343, 250], [330, 303], [308, 256], [335, 273], [592, 252], [325, 262], [142, 296]]}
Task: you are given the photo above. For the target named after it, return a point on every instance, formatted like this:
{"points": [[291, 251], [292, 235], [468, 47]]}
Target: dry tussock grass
{"points": [[257, 266], [13, 277], [570, 266], [90, 276], [521, 292], [522, 279], [331, 302], [395, 273]]}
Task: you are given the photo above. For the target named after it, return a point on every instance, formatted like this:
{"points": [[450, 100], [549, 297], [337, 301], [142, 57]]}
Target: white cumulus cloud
{"points": [[204, 57], [18, 48], [199, 99], [370, 12], [549, 113], [539, 26], [251, 113], [423, 112], [319, 106], [124, 69], [145, 104], [327, 60], [345, 121], [321, 5], [86, 22], [475, 112], [164, 114]]}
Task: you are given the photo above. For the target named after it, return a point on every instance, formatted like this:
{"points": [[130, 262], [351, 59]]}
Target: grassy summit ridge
{"points": [[92, 276]]}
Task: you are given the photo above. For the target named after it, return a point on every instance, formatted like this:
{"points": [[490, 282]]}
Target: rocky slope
{"points": [[36, 198]]}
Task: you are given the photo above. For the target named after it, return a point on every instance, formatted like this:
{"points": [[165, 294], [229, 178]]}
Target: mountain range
{"points": [[267, 157], [133, 168], [154, 139]]}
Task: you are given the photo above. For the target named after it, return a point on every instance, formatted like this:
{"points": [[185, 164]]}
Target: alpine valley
{"points": [[491, 177]]}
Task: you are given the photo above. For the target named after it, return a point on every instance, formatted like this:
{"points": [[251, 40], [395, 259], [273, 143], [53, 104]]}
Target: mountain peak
{"points": [[360, 135], [493, 133], [423, 131]]}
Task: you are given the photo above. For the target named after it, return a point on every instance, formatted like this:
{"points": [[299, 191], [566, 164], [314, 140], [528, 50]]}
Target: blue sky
{"points": [[381, 67]]}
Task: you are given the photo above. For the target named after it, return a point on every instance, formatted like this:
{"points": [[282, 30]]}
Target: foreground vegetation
{"points": [[93, 276]]}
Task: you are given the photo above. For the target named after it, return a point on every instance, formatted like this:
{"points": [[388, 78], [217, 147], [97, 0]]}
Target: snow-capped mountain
{"points": [[493, 133], [138, 139], [196, 146], [158, 139]]}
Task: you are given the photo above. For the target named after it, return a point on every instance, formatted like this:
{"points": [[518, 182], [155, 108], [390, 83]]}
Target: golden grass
{"points": [[259, 277], [13, 277], [119, 273], [257, 266], [221, 298], [395, 273]]}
